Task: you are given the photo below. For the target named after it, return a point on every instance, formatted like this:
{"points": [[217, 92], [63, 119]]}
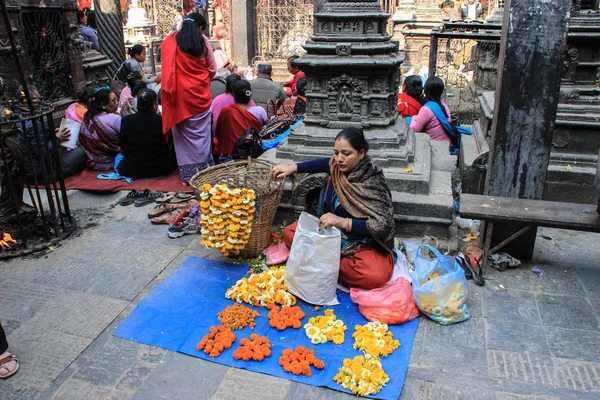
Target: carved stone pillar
{"points": [[110, 32]]}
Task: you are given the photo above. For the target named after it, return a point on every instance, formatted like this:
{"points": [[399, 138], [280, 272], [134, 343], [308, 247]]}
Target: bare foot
{"points": [[8, 367]]}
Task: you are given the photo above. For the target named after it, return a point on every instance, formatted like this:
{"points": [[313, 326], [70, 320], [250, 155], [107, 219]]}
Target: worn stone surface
{"points": [[567, 312], [239, 383], [511, 336], [577, 345], [470, 333], [459, 359], [510, 305]]}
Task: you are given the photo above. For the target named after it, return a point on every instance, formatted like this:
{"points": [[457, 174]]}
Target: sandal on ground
{"points": [[181, 197], [147, 197], [474, 273], [161, 209], [165, 197], [130, 198], [165, 219], [9, 358]]}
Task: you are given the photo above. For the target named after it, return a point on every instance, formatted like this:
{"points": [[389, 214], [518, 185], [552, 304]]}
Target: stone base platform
{"points": [[422, 199]]}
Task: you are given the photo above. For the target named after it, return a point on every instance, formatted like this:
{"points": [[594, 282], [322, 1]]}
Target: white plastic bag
{"points": [[313, 267], [402, 268]]}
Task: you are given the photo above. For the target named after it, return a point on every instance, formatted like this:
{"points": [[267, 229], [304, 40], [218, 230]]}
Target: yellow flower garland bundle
{"points": [[363, 376], [374, 339], [325, 328], [227, 215], [261, 289]]}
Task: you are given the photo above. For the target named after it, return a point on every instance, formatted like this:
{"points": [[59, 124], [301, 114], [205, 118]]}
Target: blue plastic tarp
{"points": [[179, 312]]}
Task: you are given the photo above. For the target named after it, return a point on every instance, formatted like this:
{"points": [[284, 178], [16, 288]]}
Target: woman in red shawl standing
{"points": [[411, 99], [188, 66]]}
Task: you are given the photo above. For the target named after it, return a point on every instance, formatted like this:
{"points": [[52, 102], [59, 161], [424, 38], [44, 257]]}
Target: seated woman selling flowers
{"points": [[356, 200]]}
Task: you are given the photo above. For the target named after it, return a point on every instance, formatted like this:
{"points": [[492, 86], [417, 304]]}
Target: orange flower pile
{"points": [[299, 361], [238, 316], [287, 317], [216, 341], [256, 348]]}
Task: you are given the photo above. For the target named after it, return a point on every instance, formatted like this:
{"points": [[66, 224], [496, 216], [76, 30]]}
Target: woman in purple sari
{"points": [[99, 133]]}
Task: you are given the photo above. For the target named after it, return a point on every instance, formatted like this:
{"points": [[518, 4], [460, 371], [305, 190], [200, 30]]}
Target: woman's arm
{"points": [[420, 120], [314, 166], [210, 59]]}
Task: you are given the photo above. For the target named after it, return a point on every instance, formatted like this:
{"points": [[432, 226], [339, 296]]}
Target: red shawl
{"points": [[407, 106], [185, 86], [233, 121]]}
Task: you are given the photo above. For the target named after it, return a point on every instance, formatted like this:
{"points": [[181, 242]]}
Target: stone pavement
{"points": [[529, 337]]}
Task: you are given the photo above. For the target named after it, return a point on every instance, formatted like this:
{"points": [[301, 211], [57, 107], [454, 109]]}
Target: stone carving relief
{"points": [[356, 27], [376, 110], [345, 100], [337, 27], [309, 184], [560, 138], [568, 94], [334, 83], [376, 86], [370, 27], [598, 77], [343, 50], [570, 64], [316, 108], [325, 27]]}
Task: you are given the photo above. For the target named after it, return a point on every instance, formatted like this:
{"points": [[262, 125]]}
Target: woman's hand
{"points": [[330, 219], [283, 170], [62, 134]]}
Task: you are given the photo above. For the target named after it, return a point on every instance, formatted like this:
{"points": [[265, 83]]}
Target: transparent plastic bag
{"points": [[313, 267], [440, 288], [392, 303]]}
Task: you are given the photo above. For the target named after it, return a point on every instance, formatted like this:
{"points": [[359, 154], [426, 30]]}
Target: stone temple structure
{"points": [[352, 69]]}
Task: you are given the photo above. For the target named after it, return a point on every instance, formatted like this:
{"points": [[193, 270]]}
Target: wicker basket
{"points": [[252, 174]]}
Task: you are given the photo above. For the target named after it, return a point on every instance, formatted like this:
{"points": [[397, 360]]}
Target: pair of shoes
{"points": [[175, 198], [161, 209], [140, 197], [185, 224], [9, 358], [470, 271], [166, 219]]}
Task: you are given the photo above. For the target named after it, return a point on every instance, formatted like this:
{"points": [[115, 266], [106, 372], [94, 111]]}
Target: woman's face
{"points": [[345, 156], [142, 56], [113, 103]]}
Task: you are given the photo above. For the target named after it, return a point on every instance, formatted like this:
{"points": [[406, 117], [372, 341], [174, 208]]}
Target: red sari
{"points": [[407, 106], [233, 121]]}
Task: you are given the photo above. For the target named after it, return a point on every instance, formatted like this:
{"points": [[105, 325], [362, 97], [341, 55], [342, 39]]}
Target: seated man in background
{"points": [[264, 89]]}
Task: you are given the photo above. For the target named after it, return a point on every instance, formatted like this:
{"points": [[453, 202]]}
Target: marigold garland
{"points": [[216, 341], [430, 277], [374, 339], [325, 328], [362, 375], [227, 214], [299, 361], [238, 316], [261, 289], [256, 348], [287, 317]]}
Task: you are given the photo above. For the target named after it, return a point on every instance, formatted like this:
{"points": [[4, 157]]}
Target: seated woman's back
{"points": [[146, 152], [236, 118], [426, 120]]}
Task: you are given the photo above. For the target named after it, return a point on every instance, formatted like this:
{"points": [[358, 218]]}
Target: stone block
{"points": [[574, 344], [159, 234], [521, 367], [511, 336], [120, 228], [120, 364], [470, 333], [182, 377], [441, 391], [413, 389], [300, 391], [475, 300], [520, 278], [559, 279], [510, 305], [44, 355], [240, 383], [79, 314], [74, 389], [147, 255], [21, 299], [457, 359], [590, 277], [567, 312]]}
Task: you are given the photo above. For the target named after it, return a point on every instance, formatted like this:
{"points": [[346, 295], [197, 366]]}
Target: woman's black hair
{"points": [[101, 98], [132, 77], [91, 21], [190, 38], [414, 88], [135, 50], [80, 14], [356, 138], [138, 85], [230, 82], [146, 99], [434, 88], [242, 91], [301, 86], [86, 95]]}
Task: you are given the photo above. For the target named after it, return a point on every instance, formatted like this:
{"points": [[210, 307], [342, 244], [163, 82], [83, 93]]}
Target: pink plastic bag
{"points": [[393, 303], [277, 254]]}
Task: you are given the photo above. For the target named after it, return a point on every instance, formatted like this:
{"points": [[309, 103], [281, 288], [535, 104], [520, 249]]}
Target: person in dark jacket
{"points": [[146, 151], [300, 106], [471, 9]]}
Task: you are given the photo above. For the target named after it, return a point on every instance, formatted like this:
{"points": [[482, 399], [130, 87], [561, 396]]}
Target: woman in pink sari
{"points": [[76, 111], [99, 132]]}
